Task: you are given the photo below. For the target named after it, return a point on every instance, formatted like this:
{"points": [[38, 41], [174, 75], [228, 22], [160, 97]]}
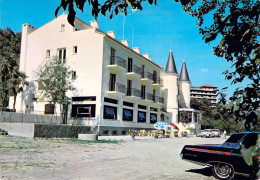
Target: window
{"points": [[112, 56], [83, 110], [141, 107], [130, 64], [109, 100], [154, 93], [75, 49], [112, 84], [128, 104], [74, 75], [142, 71], [143, 91], [84, 98], [129, 87], [127, 115], [48, 53], [62, 27], [62, 55], [110, 112], [155, 76], [141, 116], [153, 118]]}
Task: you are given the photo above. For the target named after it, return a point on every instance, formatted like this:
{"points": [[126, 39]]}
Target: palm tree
{"points": [[16, 83]]}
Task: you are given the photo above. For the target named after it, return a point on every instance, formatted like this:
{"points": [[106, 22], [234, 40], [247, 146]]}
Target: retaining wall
{"points": [[44, 130], [18, 129]]}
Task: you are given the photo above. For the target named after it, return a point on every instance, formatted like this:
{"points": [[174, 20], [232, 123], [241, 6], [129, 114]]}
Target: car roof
{"points": [[247, 133]]}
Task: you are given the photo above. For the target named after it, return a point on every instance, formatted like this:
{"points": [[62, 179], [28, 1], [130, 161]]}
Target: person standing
{"points": [[224, 134]]}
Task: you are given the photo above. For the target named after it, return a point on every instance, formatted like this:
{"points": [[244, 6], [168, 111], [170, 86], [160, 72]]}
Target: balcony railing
{"points": [[159, 100], [147, 75], [136, 70], [158, 81], [147, 96], [115, 60], [133, 92], [117, 87]]}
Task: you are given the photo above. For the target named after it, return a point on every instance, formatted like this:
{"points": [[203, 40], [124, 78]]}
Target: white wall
{"points": [[87, 62]]}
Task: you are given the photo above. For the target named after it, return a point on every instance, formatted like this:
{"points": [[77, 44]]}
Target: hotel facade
{"points": [[117, 88]]}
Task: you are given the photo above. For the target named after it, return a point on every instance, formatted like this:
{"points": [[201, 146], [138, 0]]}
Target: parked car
{"points": [[215, 133], [226, 159], [207, 133]]}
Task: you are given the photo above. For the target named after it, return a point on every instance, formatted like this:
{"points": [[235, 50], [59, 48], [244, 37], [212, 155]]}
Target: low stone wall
{"points": [[18, 129], [44, 130], [16, 117], [60, 131]]}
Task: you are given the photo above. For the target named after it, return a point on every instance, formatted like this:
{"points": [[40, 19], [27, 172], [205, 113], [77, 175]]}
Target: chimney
{"points": [[94, 24], [147, 56], [125, 42], [137, 50], [111, 34]]}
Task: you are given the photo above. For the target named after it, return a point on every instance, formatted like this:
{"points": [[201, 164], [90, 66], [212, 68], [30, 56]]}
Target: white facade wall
{"points": [[87, 62], [92, 66], [185, 94], [171, 83], [121, 77]]}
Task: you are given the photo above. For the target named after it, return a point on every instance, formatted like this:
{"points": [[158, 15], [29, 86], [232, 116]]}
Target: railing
{"points": [[147, 96], [117, 87], [133, 92], [115, 60], [158, 81], [159, 99], [136, 70], [147, 75]]}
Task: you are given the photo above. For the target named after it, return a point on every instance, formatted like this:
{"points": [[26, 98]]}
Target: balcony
{"points": [[157, 82], [134, 72], [159, 100], [146, 98], [116, 89], [116, 64], [146, 77], [133, 94]]}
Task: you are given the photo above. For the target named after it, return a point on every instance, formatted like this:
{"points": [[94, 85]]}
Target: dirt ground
{"points": [[141, 159]]}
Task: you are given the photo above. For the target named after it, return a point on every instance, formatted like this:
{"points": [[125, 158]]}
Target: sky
{"points": [[155, 30]]}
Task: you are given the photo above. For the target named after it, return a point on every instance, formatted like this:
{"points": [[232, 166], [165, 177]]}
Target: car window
{"points": [[235, 138]]}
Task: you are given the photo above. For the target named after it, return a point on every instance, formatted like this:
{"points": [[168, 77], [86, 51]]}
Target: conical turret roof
{"points": [[184, 73], [171, 67]]}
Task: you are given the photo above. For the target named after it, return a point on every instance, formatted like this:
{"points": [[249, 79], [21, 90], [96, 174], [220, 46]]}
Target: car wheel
{"points": [[223, 171]]}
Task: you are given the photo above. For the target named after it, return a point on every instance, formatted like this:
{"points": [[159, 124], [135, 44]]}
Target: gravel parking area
{"points": [[143, 158]]}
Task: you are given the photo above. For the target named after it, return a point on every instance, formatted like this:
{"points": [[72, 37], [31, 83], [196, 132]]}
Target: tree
{"points": [[56, 79], [16, 83], [9, 65], [235, 23], [215, 117]]}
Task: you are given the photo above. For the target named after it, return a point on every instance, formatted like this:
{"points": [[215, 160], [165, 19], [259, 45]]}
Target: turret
{"points": [[185, 85], [170, 79]]}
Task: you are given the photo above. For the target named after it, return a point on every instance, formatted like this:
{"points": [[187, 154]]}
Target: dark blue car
{"points": [[226, 159]]}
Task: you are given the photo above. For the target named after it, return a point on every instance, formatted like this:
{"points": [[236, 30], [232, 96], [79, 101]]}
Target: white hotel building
{"points": [[117, 88]]}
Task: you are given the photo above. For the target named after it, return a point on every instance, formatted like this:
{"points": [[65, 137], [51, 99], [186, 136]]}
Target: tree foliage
{"points": [[215, 117], [55, 79], [235, 28], [11, 79]]}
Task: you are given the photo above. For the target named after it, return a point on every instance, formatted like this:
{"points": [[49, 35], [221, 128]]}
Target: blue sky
{"points": [[156, 30]]}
